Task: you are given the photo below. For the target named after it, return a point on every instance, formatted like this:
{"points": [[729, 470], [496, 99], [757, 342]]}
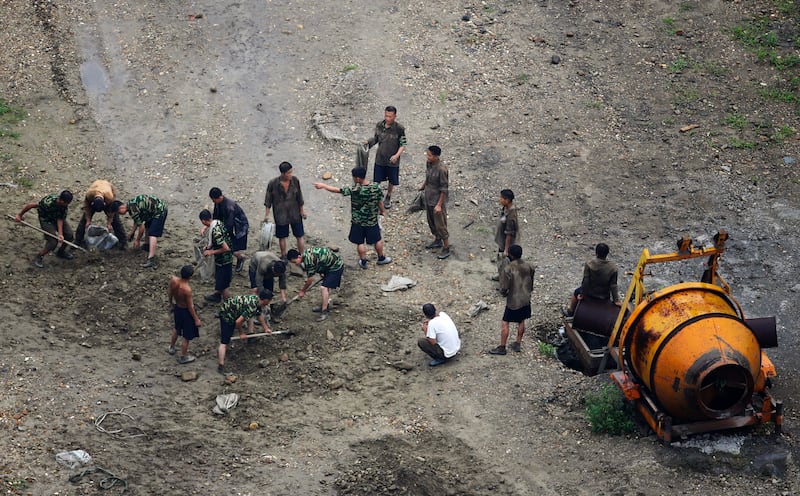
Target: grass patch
{"points": [[9, 115], [686, 6], [607, 412], [685, 96], [736, 121], [522, 77], [783, 133], [740, 144], [758, 35], [442, 97], [679, 65], [349, 67], [780, 95], [547, 349]]}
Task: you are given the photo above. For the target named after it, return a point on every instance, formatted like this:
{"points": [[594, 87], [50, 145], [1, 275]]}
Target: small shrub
{"points": [[686, 6], [547, 349], [607, 412], [521, 78], [349, 67]]}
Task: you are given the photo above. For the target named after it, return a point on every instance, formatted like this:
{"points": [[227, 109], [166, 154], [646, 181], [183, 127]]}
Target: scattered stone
{"points": [[336, 384], [329, 335], [284, 357], [404, 366], [689, 127], [796, 288], [466, 17], [86, 345], [253, 426], [555, 60], [788, 160], [230, 379], [263, 363], [137, 356], [189, 376], [327, 176]]}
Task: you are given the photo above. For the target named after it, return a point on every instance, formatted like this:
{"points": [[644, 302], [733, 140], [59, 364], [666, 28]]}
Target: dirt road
{"points": [[577, 106]]}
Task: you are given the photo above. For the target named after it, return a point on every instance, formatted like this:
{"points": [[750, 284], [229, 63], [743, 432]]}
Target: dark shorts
{"points": [[223, 275], [518, 315], [155, 227], [239, 244], [184, 323], [360, 233], [226, 330], [384, 172], [332, 280], [283, 231]]}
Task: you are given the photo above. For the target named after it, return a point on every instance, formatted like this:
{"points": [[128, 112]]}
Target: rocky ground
{"points": [[626, 122]]}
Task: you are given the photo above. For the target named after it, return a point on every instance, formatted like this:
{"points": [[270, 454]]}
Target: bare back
{"points": [[180, 292]]}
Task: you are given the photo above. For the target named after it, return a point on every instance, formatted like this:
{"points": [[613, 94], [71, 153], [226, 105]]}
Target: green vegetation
{"points": [[547, 349], [783, 133], [9, 115], [736, 121], [679, 65], [349, 67], [607, 412], [685, 96], [522, 77], [686, 6], [743, 144]]}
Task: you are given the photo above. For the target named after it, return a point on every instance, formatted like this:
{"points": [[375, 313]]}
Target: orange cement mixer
{"points": [[688, 358]]}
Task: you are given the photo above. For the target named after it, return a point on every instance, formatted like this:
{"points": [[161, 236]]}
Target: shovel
{"points": [[278, 310]]}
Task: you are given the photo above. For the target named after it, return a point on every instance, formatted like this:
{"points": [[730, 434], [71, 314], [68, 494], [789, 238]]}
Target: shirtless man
{"points": [[186, 320]]}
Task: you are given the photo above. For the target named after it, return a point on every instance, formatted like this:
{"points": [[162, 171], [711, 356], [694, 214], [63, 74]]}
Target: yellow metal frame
{"points": [[636, 290]]}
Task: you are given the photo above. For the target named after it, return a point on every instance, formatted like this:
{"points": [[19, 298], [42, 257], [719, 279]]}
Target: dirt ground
{"points": [[577, 106]]}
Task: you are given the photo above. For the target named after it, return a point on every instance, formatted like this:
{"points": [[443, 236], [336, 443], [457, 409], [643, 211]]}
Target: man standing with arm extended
{"points": [[516, 282], [52, 210], [101, 197], [265, 266], [223, 259], [187, 322], [436, 187], [327, 264], [365, 206], [285, 199], [150, 213], [441, 341], [235, 221], [390, 137], [233, 313]]}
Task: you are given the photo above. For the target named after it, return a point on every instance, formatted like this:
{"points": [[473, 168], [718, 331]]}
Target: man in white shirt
{"points": [[441, 339]]}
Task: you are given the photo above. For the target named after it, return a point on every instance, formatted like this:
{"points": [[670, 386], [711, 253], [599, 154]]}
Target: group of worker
{"points": [[227, 227]]}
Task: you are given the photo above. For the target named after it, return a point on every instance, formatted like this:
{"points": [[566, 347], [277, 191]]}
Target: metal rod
{"points": [[48, 234], [259, 334]]}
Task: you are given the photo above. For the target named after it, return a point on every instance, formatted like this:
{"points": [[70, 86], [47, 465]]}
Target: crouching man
{"points": [[233, 313], [441, 341]]}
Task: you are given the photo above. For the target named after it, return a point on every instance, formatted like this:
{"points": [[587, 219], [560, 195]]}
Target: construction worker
{"points": [[101, 197], [326, 263], [150, 213], [52, 210], [516, 283], [233, 313]]}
